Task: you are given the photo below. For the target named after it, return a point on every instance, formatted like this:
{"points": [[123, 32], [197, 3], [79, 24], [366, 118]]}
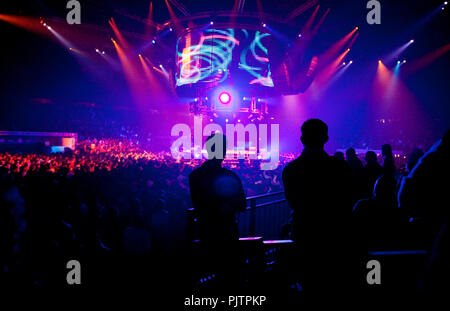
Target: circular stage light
{"points": [[224, 98]]}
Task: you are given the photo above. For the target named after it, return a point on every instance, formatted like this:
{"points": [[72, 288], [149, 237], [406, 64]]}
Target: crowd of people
{"points": [[112, 196], [102, 195]]}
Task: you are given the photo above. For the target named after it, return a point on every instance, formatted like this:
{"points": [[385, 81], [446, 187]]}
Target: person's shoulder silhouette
{"points": [[217, 193], [388, 160], [315, 181]]}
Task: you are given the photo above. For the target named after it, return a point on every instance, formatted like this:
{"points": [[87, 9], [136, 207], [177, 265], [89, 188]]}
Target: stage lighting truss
{"points": [[252, 109]]}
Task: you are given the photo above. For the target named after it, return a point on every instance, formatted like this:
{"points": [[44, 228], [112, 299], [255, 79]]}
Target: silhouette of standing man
{"points": [[318, 188], [217, 195]]}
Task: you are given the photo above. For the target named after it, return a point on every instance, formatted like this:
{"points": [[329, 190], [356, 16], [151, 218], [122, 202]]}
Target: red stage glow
{"points": [[148, 26], [32, 24], [225, 98], [322, 19], [306, 29], [426, 60], [175, 20]]}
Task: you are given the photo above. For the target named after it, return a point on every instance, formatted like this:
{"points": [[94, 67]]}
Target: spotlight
{"points": [[170, 29], [49, 28], [445, 3], [96, 50], [379, 60], [299, 35], [211, 23], [264, 25], [348, 50], [398, 62], [411, 41], [160, 66], [404, 61], [225, 98], [140, 55], [343, 64], [103, 52], [356, 28], [153, 41], [351, 62], [239, 121], [226, 120], [45, 24], [211, 120]]}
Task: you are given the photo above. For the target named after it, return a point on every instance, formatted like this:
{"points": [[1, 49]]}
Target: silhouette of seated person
{"points": [[353, 160], [217, 195], [373, 171], [388, 160], [378, 220], [318, 188], [414, 157], [423, 193], [359, 178]]}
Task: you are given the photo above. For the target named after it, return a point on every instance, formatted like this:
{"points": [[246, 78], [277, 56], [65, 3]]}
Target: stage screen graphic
{"points": [[218, 55]]}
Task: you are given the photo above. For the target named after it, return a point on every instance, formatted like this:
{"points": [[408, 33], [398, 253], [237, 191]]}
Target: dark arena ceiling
{"points": [[401, 21]]}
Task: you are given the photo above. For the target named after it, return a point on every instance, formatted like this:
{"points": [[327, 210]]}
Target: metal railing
{"points": [[265, 216]]}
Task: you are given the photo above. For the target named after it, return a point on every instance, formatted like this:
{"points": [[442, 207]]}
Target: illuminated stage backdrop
{"points": [[217, 55]]}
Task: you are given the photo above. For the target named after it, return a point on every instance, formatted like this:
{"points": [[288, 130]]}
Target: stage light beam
{"points": [[336, 47], [123, 42], [307, 27], [322, 19]]}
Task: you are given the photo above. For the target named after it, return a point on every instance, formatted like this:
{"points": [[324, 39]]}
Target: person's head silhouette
{"points": [[350, 153], [386, 151], [314, 133], [370, 157], [216, 146], [385, 191]]}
